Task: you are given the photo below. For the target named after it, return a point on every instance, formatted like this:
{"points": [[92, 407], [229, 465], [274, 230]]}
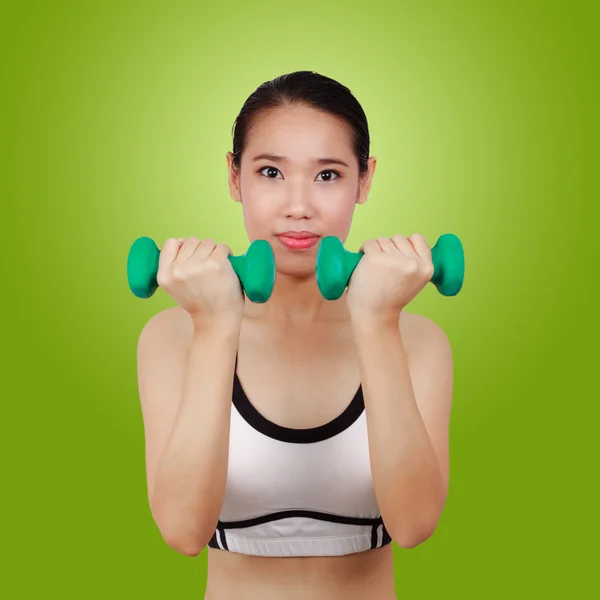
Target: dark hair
{"points": [[312, 89]]}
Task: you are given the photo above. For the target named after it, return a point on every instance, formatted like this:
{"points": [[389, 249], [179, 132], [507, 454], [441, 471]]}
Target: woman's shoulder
{"points": [[172, 325], [417, 329], [414, 322]]}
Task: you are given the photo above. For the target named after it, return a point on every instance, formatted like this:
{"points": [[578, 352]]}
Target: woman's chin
{"points": [[296, 271]]}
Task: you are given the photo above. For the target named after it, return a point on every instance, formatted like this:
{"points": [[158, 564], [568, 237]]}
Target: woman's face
{"points": [[291, 189]]}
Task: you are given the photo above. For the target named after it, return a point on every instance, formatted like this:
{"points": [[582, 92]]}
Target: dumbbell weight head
{"points": [[256, 270], [448, 259], [334, 267], [142, 267]]}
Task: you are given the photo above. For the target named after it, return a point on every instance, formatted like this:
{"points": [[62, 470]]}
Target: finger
{"points": [[386, 245], [370, 246], [188, 247], [168, 254], [205, 249], [420, 245], [201, 250], [222, 251], [402, 243]]}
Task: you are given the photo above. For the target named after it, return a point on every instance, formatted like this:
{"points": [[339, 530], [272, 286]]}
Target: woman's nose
{"points": [[299, 200]]}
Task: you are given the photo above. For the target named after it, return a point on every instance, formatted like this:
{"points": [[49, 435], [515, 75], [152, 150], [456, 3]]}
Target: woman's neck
{"points": [[297, 302]]}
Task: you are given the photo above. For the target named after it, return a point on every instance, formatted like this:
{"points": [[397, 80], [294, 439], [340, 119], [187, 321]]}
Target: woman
{"points": [[296, 438]]}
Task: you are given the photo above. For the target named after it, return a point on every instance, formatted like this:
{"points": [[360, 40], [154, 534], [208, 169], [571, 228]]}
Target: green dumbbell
{"points": [[335, 265], [255, 269]]}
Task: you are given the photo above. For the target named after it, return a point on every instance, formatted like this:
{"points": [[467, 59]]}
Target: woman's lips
{"points": [[297, 243]]}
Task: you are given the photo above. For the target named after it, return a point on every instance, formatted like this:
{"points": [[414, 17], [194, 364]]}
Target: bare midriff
{"points": [[365, 575]]}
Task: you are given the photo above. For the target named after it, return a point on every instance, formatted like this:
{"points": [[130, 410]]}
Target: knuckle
{"points": [[162, 279], [212, 265], [177, 273], [412, 266]]}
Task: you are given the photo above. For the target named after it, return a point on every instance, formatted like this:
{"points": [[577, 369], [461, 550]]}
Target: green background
{"points": [[115, 123]]}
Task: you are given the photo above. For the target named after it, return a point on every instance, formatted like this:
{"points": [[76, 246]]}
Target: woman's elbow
{"points": [[185, 545], [415, 538]]}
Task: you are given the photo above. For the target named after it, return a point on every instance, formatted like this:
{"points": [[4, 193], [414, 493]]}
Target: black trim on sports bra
{"points": [[219, 538], [289, 434], [308, 514]]}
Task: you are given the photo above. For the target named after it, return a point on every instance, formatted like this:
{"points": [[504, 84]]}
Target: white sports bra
{"points": [[298, 492]]}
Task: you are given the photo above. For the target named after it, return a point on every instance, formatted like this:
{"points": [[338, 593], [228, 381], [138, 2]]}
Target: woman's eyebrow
{"points": [[319, 161]]}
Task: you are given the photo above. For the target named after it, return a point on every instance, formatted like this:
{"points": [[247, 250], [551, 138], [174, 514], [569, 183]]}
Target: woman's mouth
{"points": [[298, 243]]}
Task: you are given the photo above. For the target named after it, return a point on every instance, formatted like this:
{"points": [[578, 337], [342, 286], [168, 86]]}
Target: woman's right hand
{"points": [[199, 277]]}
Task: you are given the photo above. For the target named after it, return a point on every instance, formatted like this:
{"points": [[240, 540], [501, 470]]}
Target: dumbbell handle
{"points": [[255, 269], [335, 266]]}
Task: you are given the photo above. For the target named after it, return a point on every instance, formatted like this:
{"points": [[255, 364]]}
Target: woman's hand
{"points": [[199, 277], [389, 275]]}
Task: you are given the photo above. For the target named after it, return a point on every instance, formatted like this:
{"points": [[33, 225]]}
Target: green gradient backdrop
{"points": [[115, 123]]}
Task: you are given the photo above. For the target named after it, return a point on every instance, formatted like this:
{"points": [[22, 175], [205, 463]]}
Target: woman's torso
{"points": [[299, 377]]}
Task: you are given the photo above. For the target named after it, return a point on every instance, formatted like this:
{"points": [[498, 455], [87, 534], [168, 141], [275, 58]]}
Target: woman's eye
{"points": [[269, 170], [329, 171]]}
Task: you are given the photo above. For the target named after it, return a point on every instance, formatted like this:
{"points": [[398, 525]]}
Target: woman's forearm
{"points": [[406, 473], [192, 471]]}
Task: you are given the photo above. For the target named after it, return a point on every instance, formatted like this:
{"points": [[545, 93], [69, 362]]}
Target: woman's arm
{"points": [[408, 394], [185, 392]]}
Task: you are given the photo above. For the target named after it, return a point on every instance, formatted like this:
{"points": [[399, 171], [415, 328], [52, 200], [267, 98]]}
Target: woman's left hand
{"points": [[389, 275]]}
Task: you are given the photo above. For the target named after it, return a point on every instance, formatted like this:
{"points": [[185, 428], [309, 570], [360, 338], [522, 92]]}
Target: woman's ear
{"points": [[366, 180], [233, 178]]}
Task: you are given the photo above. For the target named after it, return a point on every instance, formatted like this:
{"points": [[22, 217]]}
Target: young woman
{"points": [[298, 437]]}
